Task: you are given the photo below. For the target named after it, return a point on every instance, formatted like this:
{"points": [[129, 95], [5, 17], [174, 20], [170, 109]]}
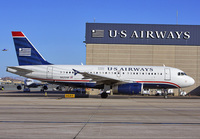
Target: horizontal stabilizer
{"points": [[18, 70]]}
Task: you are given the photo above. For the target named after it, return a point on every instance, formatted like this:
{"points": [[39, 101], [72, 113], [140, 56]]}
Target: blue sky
{"points": [[57, 27]]}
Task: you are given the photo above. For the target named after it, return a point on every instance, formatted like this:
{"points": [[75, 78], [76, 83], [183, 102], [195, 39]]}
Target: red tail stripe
{"points": [[17, 34]]}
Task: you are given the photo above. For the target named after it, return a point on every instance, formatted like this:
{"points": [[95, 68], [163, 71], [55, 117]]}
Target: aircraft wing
{"points": [[99, 78]]}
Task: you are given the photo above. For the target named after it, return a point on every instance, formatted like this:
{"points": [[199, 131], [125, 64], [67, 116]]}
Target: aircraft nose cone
{"points": [[191, 81]]}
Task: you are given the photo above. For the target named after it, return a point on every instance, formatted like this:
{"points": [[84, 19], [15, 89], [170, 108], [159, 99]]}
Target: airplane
{"points": [[121, 79], [30, 83], [5, 50]]}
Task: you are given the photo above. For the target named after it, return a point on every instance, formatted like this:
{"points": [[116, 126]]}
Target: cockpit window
{"points": [[181, 74]]}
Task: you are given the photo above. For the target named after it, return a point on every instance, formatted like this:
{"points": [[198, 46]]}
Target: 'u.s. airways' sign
{"points": [[142, 34]]}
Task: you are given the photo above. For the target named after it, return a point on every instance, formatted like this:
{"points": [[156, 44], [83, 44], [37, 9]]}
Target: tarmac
{"points": [[34, 115]]}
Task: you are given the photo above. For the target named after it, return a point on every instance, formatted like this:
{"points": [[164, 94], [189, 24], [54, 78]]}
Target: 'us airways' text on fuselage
{"points": [[129, 69]]}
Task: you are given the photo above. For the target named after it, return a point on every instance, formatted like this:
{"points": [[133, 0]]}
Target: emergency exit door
{"points": [[167, 74]]}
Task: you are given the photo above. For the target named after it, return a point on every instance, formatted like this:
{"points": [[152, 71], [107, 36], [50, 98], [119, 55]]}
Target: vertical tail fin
{"points": [[27, 54]]}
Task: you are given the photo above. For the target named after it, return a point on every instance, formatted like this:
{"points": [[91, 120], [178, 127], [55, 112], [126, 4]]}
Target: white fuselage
{"points": [[149, 76]]}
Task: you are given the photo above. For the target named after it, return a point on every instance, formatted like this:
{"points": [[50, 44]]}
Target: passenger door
{"points": [[167, 74]]}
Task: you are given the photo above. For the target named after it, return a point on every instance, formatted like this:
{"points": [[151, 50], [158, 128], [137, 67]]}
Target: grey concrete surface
{"points": [[95, 118]]}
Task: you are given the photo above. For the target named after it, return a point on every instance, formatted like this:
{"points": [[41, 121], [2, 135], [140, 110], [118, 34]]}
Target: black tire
{"points": [[104, 95]]}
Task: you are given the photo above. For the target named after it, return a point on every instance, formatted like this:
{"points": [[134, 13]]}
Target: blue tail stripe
{"points": [[31, 57]]}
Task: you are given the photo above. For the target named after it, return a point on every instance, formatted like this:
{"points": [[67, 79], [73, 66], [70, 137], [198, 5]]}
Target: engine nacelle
{"points": [[129, 88], [19, 87], [45, 87]]}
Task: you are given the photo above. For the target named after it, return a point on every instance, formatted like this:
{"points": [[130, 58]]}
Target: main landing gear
{"points": [[104, 95], [105, 91], [165, 93]]}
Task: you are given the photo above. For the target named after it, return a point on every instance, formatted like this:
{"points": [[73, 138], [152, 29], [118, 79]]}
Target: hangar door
{"points": [[167, 73]]}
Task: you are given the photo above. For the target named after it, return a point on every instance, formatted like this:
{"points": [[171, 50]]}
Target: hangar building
{"points": [[145, 44]]}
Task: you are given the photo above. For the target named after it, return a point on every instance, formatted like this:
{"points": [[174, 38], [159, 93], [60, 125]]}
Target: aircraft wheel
{"points": [[165, 94], [104, 95]]}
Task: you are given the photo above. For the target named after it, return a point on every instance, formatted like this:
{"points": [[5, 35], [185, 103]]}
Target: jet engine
{"points": [[19, 87], [129, 88]]}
